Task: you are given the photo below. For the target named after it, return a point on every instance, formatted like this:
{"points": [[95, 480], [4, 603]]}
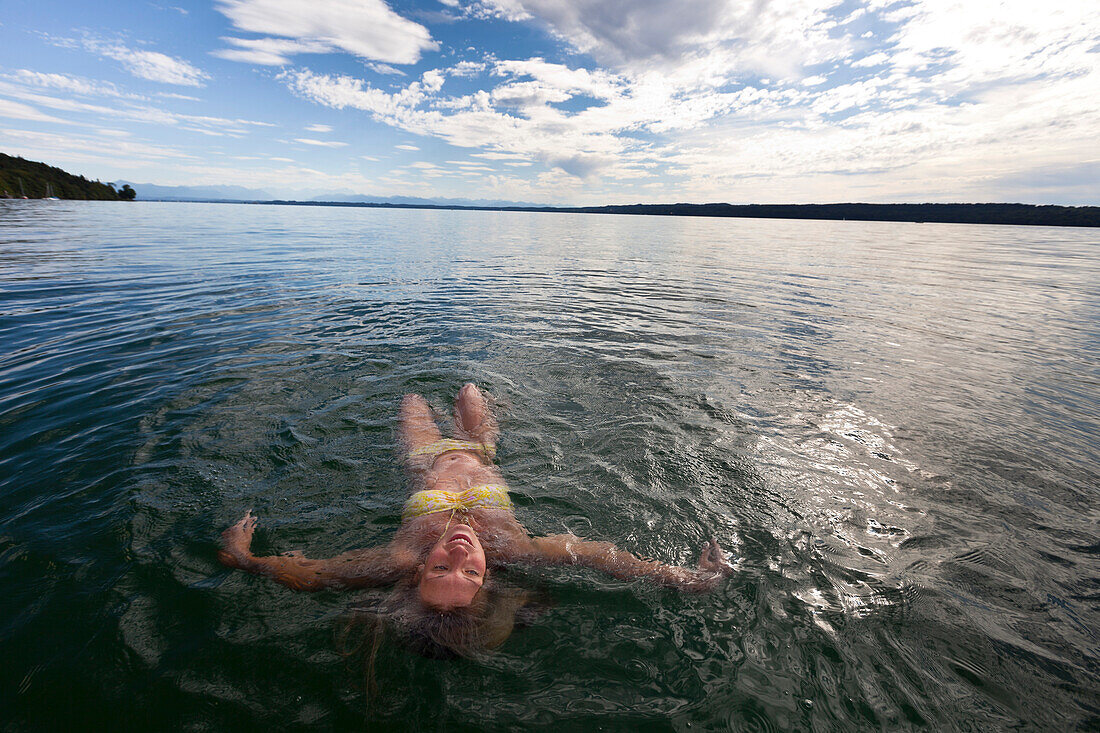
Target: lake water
{"points": [[894, 427]]}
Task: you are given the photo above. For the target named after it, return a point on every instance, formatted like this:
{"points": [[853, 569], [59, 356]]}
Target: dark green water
{"points": [[893, 426]]}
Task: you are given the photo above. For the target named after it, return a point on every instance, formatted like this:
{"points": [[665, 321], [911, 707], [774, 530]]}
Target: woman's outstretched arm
{"points": [[570, 550], [354, 569]]}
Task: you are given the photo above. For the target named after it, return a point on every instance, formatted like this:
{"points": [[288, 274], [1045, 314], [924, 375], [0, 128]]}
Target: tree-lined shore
{"points": [[1020, 214], [21, 178], [1013, 214]]}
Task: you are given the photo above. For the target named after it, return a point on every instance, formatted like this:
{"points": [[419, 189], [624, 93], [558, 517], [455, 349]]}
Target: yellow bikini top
{"points": [[489, 496]]}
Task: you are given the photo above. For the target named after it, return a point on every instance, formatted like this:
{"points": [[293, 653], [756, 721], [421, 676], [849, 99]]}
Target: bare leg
{"points": [[417, 427], [473, 418]]}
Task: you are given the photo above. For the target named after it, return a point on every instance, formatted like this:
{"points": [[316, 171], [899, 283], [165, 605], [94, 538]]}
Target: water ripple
{"points": [[892, 426]]}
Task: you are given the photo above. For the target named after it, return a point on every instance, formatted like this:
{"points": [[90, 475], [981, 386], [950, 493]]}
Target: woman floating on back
{"points": [[457, 528]]}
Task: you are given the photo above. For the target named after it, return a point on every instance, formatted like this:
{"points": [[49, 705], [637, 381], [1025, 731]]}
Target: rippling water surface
{"points": [[893, 426]]}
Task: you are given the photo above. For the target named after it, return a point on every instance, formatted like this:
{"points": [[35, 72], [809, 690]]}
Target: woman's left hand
{"points": [[714, 561]]}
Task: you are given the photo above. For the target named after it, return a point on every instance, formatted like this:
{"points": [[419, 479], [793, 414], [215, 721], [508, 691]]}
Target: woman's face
{"points": [[454, 570]]}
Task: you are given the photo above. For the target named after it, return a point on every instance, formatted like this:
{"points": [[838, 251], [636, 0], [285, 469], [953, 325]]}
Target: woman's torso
{"points": [[456, 471], [463, 474]]}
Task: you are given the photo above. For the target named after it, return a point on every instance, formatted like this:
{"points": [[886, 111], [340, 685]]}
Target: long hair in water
{"points": [[459, 632]]}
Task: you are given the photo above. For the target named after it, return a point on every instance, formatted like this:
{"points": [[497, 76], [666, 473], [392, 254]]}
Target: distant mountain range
{"points": [[991, 213], [21, 178], [153, 192]]}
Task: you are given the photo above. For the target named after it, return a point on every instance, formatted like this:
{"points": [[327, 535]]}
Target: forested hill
{"points": [[34, 177]]}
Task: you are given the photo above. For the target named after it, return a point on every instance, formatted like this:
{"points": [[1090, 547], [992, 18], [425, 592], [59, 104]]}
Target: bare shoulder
{"points": [[504, 538]]}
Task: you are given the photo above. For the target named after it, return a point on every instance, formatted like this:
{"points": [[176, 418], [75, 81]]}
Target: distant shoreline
{"points": [[1010, 214], [21, 178]]}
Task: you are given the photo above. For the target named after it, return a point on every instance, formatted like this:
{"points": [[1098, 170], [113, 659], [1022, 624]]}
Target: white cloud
{"points": [[132, 111], [557, 79], [947, 87], [467, 69], [484, 9], [112, 152], [67, 83], [685, 38], [406, 147], [319, 128], [495, 156], [970, 46], [320, 143], [874, 59], [475, 167], [150, 65], [268, 51], [365, 28], [953, 152], [384, 69], [173, 95], [20, 111], [518, 117], [542, 132], [527, 94]]}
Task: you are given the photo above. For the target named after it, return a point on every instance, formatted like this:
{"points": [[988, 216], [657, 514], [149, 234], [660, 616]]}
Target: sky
{"points": [[568, 102]]}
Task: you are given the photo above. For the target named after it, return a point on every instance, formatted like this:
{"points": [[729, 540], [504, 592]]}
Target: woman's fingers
{"points": [[247, 523], [237, 539], [714, 559], [244, 528]]}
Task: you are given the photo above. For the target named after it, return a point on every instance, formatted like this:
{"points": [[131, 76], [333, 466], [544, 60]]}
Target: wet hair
{"points": [[461, 632]]}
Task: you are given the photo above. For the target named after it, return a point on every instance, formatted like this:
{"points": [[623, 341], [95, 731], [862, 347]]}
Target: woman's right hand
{"points": [[237, 541]]}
